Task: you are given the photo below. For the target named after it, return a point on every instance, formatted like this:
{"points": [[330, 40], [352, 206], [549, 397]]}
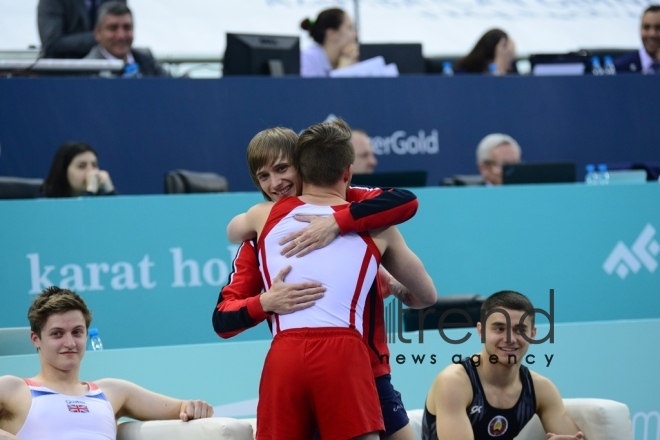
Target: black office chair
{"points": [[468, 303], [19, 187], [463, 180], [185, 182]]}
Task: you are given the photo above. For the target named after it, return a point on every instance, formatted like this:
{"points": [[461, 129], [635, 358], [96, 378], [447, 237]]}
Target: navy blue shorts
{"points": [[394, 414]]}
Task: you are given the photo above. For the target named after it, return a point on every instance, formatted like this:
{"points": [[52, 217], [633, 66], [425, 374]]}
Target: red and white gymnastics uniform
{"points": [[318, 372]]}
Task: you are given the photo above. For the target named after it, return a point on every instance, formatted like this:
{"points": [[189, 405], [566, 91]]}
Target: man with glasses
{"points": [[495, 151]]}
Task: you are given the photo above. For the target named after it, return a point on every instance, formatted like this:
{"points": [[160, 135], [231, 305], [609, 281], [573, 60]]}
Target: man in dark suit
{"points": [[647, 59], [65, 27], [114, 35]]}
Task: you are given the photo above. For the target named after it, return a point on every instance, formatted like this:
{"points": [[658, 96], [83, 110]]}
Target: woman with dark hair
{"points": [[335, 43], [494, 48], [75, 172]]}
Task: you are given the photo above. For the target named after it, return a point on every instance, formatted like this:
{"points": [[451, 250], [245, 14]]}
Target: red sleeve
{"points": [[373, 208], [238, 306]]}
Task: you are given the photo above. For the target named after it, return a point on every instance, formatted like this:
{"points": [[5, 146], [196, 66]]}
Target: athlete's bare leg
{"points": [[370, 436]]}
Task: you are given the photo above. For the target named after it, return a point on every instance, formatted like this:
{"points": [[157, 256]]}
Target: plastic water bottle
{"points": [[596, 68], [603, 175], [591, 177], [447, 68], [608, 66], [95, 339]]}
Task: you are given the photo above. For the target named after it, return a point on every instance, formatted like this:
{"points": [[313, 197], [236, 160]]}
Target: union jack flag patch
{"points": [[78, 408]]}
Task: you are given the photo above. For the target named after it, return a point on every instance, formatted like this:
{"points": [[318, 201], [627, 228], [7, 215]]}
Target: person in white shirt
{"points": [[335, 43]]}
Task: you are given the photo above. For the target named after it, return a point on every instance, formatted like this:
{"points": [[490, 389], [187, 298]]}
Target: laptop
{"points": [[553, 172], [627, 176], [395, 179], [559, 64]]}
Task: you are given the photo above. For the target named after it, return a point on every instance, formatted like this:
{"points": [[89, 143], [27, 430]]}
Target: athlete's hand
{"points": [[96, 180], [105, 182], [578, 436], [320, 233], [505, 55], [195, 409], [283, 298], [349, 55]]}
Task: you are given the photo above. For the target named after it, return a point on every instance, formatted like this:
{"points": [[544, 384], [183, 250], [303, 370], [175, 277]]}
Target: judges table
{"points": [[143, 129]]}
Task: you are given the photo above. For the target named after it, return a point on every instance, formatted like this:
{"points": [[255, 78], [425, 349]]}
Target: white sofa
{"points": [[599, 419], [216, 428]]}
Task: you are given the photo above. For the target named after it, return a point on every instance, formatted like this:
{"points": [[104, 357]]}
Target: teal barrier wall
{"points": [[612, 360], [151, 267]]}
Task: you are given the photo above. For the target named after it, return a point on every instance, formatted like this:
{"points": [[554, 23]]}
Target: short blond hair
{"points": [[266, 147], [323, 152]]}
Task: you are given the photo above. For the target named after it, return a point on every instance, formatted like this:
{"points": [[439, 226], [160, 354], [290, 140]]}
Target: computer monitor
{"points": [[557, 172], [395, 179], [407, 56], [274, 55]]}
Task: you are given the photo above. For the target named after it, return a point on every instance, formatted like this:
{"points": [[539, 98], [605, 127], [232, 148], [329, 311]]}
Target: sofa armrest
{"points": [[216, 428], [416, 416], [598, 419]]}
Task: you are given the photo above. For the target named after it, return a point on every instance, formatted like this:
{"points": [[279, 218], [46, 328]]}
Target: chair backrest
{"points": [[15, 340], [463, 180], [185, 182], [429, 317], [19, 187]]}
